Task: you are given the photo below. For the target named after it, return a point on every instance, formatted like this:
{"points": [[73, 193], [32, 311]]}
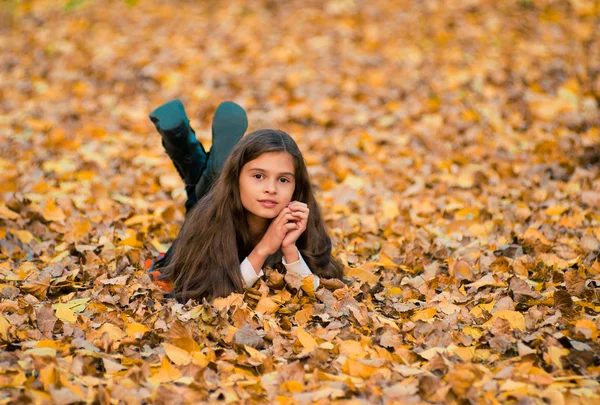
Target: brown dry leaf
{"points": [[38, 288], [574, 282], [294, 280], [564, 303], [521, 291], [246, 336], [46, 320]]}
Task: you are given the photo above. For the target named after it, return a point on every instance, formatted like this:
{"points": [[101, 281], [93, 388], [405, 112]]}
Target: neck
{"points": [[257, 226]]}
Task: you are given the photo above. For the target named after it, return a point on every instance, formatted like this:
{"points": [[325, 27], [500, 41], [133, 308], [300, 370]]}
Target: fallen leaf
{"points": [[574, 282], [46, 320], [24, 236], [65, 313], [514, 318], [52, 212], [5, 212], [266, 306], [306, 339], [136, 330], [178, 356], [246, 336]]}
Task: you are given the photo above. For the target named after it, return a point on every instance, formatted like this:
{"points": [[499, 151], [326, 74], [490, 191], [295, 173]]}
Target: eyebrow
{"points": [[281, 174]]}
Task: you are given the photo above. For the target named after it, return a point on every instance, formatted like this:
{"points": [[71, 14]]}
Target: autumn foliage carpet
{"points": [[453, 147]]}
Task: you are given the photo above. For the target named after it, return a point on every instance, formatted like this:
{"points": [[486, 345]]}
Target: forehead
{"points": [[272, 162]]}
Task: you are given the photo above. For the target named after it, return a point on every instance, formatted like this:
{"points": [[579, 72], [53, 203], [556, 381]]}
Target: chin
{"points": [[266, 214], [270, 215]]}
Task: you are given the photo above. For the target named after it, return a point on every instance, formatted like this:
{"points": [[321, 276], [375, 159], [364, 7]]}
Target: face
{"points": [[267, 184]]}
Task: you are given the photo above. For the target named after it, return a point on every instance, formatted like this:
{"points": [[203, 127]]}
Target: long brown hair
{"points": [[215, 238]]}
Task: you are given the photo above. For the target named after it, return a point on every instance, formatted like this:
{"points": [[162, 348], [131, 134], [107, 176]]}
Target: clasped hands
{"points": [[285, 229]]}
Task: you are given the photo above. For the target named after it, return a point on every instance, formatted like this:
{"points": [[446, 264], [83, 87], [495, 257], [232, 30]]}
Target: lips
{"points": [[268, 203]]}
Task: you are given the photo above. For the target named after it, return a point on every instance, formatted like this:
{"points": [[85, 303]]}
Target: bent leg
{"points": [[179, 140], [229, 125]]}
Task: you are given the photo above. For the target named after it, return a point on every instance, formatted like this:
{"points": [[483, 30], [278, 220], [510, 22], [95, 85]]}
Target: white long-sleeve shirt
{"points": [[299, 267]]}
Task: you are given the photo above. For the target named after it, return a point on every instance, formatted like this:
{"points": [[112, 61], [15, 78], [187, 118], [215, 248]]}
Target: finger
{"points": [[282, 214], [291, 226], [286, 220], [302, 209], [301, 219], [300, 214], [297, 204]]}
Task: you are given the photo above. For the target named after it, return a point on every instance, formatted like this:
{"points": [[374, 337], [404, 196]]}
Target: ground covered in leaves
{"points": [[453, 146]]}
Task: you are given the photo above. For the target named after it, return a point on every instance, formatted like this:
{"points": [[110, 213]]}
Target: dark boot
{"points": [[229, 125], [179, 140]]}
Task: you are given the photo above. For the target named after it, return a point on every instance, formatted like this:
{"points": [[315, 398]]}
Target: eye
{"points": [[258, 176], [284, 180]]}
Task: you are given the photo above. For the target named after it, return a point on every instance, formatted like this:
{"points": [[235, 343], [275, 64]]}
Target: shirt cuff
{"points": [[301, 268], [249, 274]]}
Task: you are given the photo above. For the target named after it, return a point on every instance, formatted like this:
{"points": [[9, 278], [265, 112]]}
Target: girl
{"points": [[252, 206]]}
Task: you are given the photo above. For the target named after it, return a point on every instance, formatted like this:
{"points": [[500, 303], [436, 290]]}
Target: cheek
{"points": [[244, 194], [289, 194]]}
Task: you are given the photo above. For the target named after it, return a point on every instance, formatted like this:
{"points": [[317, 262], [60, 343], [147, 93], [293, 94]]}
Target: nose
{"points": [[271, 187]]}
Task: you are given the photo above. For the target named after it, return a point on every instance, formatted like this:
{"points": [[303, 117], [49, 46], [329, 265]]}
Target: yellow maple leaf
{"points": [[52, 212], [426, 315], [365, 276], [4, 327], [7, 213], [304, 315], [165, 373], [64, 313], [178, 356], [255, 354], [514, 318], [113, 331], [358, 368], [306, 339], [267, 306], [390, 210], [308, 285], [41, 351], [136, 330], [555, 210], [23, 235]]}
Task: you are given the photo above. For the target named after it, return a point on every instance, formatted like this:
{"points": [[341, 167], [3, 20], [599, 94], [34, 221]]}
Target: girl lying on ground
{"points": [[250, 205]]}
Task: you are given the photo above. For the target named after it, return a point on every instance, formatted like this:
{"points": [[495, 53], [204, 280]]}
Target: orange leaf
{"points": [[52, 212]]}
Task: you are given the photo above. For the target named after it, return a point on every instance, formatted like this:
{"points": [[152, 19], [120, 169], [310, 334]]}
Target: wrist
{"points": [[291, 253], [262, 251], [289, 249]]}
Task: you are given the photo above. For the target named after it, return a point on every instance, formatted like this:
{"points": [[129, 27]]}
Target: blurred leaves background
{"points": [[454, 149]]}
